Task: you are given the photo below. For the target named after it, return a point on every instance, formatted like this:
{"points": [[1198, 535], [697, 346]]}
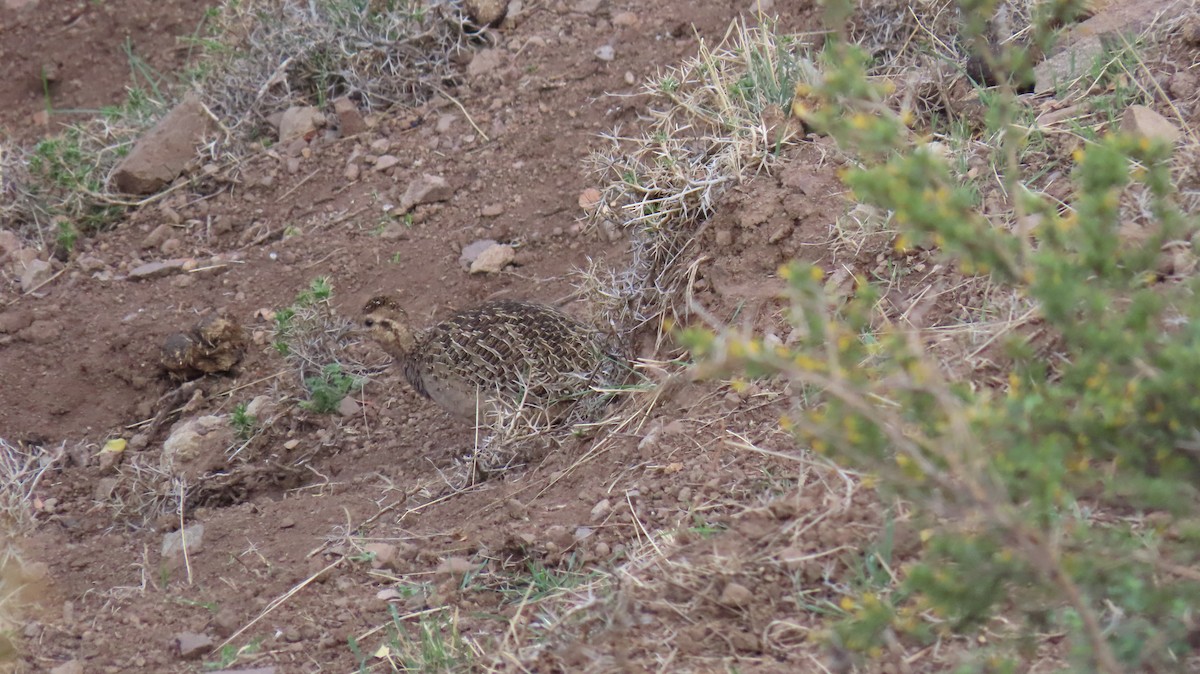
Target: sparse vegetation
{"points": [[311, 336], [244, 423], [430, 643], [1065, 498], [327, 389]]}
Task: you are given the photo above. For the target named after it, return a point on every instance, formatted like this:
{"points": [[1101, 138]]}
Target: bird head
{"points": [[386, 323]]}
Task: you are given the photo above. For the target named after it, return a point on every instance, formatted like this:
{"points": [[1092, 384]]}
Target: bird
{"points": [[503, 354]]}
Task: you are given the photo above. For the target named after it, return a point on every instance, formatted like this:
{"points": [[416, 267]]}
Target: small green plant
{"points": [[230, 654], [327, 389], [432, 644], [244, 423], [310, 335]]}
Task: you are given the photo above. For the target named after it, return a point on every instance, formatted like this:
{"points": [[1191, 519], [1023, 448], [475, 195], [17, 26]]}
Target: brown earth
{"points": [[718, 537], [62, 58], [81, 365]]}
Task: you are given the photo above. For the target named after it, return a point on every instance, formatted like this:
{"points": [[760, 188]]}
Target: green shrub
{"points": [[327, 389], [1066, 501]]}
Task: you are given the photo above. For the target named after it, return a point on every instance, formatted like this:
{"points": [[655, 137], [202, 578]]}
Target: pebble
{"points": [[68, 667], [173, 543], [426, 189], [590, 198], [605, 53], [383, 554], [492, 210], [736, 595], [191, 645], [493, 260], [626, 20], [152, 270], [350, 120], [386, 162], [35, 274], [349, 407], [352, 171], [601, 510], [472, 250]]}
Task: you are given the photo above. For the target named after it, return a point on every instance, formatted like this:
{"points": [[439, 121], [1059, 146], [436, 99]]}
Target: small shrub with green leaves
{"points": [[327, 389], [311, 335], [1063, 503], [244, 423]]}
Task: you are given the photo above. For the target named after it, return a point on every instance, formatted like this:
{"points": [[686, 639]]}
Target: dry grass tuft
{"points": [[718, 118], [22, 468], [380, 53]]}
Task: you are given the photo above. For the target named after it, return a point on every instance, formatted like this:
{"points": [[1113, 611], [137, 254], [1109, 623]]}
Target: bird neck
{"points": [[402, 342]]}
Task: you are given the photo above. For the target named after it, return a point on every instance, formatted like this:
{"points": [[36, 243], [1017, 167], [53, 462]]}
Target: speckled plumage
{"points": [[504, 350]]}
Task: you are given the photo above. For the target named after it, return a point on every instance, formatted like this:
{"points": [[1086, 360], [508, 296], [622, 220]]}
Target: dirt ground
{"points": [[339, 508]]}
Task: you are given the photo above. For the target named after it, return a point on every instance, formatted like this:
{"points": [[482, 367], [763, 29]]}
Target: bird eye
{"points": [[369, 322]]}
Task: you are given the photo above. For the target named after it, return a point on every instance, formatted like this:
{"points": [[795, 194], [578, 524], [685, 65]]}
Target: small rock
{"points": [[352, 171], [174, 542], [389, 594], [605, 52], [41, 331], [156, 237], [287, 523], [493, 260], [191, 646], [601, 510], [793, 557], [68, 667], [299, 122], [393, 231], [486, 12], [471, 251], [104, 489], [456, 566], [492, 210], [9, 243], [261, 408], [349, 407], [589, 199], [386, 162], [1183, 85], [225, 622], [171, 246], [197, 446], [153, 270], [485, 61], [724, 237], [256, 670], [761, 6], [445, 122], [350, 120], [383, 554], [90, 264], [1140, 120], [292, 635], [583, 532], [586, 6], [161, 154], [736, 595], [14, 321], [426, 189], [35, 274], [625, 20]]}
